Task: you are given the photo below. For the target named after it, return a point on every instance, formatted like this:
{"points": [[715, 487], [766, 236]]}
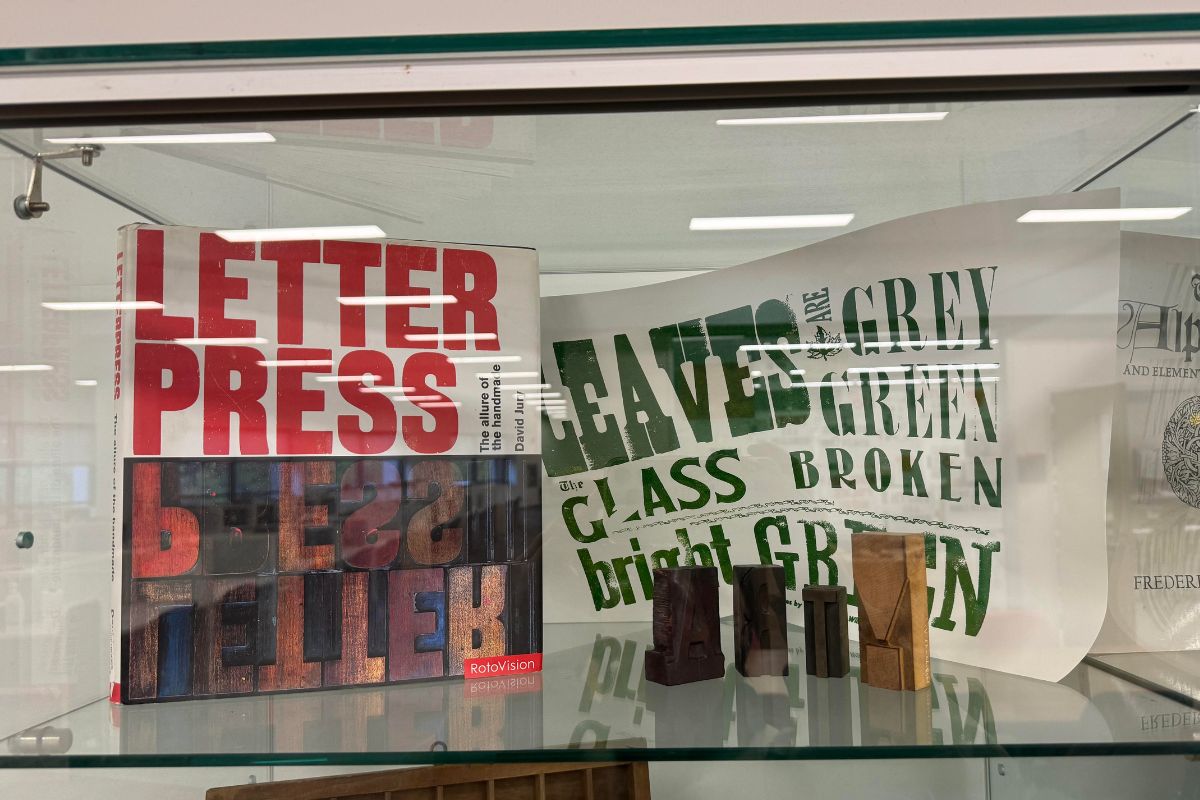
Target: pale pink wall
{"points": [[73, 22]]}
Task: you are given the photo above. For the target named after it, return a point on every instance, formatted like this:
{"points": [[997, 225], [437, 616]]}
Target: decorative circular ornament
{"points": [[1181, 451]]}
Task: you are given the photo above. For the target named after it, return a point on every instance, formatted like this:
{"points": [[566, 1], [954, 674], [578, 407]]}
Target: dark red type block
{"points": [[687, 627], [826, 631], [759, 620]]}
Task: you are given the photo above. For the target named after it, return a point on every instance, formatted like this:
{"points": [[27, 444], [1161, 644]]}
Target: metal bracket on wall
{"points": [[31, 205]]}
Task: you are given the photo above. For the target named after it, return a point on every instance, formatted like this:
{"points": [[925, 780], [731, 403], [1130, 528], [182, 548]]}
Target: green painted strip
{"points": [[598, 39]]}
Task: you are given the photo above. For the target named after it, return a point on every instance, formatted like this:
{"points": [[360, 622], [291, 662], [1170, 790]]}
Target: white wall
{"points": [[70, 22]]}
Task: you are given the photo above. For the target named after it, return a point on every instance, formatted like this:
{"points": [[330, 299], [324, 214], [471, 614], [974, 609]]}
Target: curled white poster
{"points": [[1154, 484], [948, 373]]}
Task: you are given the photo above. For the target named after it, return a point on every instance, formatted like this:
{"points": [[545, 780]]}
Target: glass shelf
{"points": [[592, 702], [1175, 675]]}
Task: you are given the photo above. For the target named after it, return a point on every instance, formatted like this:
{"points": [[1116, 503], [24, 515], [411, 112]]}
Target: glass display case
{"points": [[648, 212]]}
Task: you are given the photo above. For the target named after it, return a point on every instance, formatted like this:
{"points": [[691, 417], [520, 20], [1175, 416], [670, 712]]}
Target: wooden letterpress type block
{"points": [[289, 670], [322, 616], [159, 640], [826, 634], [307, 498], [226, 635], [476, 601], [377, 614], [759, 620], [165, 538], [687, 627], [524, 608], [493, 535], [434, 512], [355, 665], [893, 611], [416, 623], [238, 516], [371, 500]]}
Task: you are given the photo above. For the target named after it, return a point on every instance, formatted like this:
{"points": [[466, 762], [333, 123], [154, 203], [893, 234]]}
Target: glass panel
{"points": [[593, 697], [55, 450], [616, 192], [1176, 675], [609, 201]]}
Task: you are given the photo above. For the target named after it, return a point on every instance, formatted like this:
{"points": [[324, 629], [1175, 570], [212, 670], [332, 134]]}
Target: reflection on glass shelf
{"points": [[593, 702], [1176, 674]]}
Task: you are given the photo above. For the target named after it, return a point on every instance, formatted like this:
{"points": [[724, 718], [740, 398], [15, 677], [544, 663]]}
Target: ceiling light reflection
{"points": [[400, 300], [483, 359], [102, 305], [827, 119], [1102, 214], [296, 362], [451, 337], [780, 222], [926, 342], [221, 340], [507, 374], [250, 137], [366, 376]]}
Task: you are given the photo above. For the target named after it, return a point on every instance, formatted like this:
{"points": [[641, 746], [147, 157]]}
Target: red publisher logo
{"points": [[501, 665]]}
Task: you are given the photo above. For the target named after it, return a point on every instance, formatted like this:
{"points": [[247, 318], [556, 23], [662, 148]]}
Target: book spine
{"points": [[121, 335]]}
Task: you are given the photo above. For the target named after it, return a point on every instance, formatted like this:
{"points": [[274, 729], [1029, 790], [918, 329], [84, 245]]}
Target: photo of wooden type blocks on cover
{"points": [[893, 611], [245, 576]]}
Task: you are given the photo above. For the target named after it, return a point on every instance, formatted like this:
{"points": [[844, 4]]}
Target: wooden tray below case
{"points": [[589, 781]]}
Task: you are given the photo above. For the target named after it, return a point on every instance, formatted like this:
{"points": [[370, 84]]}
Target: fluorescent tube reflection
{"points": [[302, 234], [770, 223], [834, 119], [1102, 214], [102, 305], [400, 300], [218, 340], [250, 137]]}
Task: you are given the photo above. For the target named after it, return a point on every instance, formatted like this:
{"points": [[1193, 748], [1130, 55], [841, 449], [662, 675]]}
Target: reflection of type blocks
{"points": [[893, 611], [895, 718], [693, 715], [826, 638], [687, 627], [759, 620], [764, 712], [829, 712]]}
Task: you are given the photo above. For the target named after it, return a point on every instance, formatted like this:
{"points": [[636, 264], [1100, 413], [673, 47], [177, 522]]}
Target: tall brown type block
{"points": [[893, 611], [826, 638], [687, 627], [759, 620]]}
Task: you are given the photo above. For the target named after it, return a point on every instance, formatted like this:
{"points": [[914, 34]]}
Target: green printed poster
{"points": [[948, 373]]}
